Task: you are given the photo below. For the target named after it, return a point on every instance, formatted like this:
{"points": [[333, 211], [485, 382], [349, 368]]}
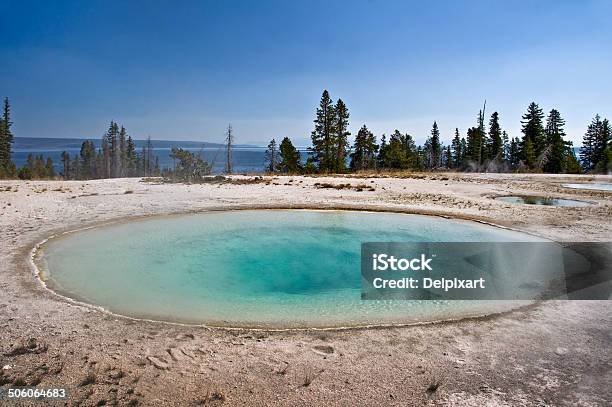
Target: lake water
{"points": [[256, 268], [243, 159]]}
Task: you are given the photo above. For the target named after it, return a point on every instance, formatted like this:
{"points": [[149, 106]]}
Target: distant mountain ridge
{"points": [[54, 143]]}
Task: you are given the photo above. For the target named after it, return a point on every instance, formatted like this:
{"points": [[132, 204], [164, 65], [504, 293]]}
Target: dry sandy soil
{"points": [[552, 353]]}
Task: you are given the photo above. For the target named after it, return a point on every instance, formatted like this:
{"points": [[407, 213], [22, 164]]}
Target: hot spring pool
{"points": [[598, 186], [542, 200], [255, 268]]}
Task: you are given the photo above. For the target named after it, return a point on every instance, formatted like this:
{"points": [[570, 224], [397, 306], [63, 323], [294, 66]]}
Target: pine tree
{"points": [[495, 142], [131, 157], [290, 157], [364, 150], [322, 150], [456, 150], [271, 157], [555, 145], [505, 146], [604, 148], [395, 153], [7, 167], [380, 158], [410, 150], [66, 165], [122, 162], [528, 153], [448, 157], [590, 152], [481, 153], [88, 160], [472, 152], [433, 147], [533, 131], [571, 164], [340, 138], [514, 153]]}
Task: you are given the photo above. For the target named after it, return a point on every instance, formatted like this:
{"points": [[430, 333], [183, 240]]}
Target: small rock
{"points": [[176, 354], [324, 349], [7, 367], [158, 363], [561, 351]]}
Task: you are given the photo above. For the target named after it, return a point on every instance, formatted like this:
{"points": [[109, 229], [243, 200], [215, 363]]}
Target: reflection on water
{"points": [[542, 200]]}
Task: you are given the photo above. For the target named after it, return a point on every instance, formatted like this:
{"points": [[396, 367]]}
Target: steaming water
{"points": [[540, 200], [603, 186], [281, 268]]}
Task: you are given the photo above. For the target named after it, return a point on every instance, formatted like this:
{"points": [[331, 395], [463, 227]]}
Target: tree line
{"points": [[116, 158], [485, 146]]}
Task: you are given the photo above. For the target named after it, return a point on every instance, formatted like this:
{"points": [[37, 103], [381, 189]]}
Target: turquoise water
{"points": [[540, 200], [280, 268], [601, 186]]}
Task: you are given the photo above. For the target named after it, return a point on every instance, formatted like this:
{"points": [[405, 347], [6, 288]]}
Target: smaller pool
{"points": [[542, 200], [599, 186]]}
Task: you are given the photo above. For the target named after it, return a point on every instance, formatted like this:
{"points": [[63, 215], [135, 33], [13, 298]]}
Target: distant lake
{"points": [[244, 159]]}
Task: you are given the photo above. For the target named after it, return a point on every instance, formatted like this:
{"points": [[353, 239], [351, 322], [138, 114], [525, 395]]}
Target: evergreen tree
{"points": [[364, 150], [395, 154], [473, 147], [514, 153], [533, 142], [571, 164], [290, 157], [448, 157], [457, 154], [555, 145], [495, 142], [322, 150], [505, 146], [122, 161], [481, 153], [604, 148], [66, 165], [7, 167], [88, 160], [590, 152], [380, 159], [340, 138], [131, 157], [271, 157], [528, 153], [433, 147], [410, 150]]}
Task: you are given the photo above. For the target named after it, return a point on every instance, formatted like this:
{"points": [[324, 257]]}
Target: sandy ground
{"points": [[554, 353]]}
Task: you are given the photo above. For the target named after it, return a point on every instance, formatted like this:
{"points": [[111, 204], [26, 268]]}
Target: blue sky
{"points": [[184, 70]]}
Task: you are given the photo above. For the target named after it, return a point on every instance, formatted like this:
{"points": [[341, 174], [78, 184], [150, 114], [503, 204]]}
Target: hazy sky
{"points": [[184, 70]]}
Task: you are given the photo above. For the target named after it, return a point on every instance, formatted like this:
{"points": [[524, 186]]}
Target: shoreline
{"points": [[75, 300]]}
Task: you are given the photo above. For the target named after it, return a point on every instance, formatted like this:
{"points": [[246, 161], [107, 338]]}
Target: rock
{"points": [[323, 349], [7, 367], [561, 351], [176, 354], [158, 363]]}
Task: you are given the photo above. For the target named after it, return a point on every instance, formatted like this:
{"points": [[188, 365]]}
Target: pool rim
{"points": [[35, 248]]}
